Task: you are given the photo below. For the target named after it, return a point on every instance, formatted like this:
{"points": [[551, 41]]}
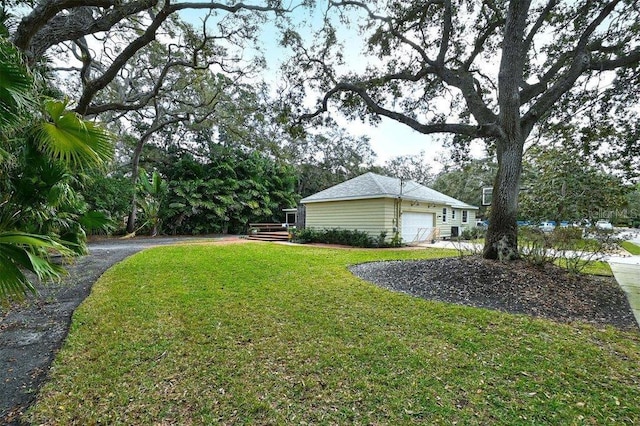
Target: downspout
{"points": [[398, 211]]}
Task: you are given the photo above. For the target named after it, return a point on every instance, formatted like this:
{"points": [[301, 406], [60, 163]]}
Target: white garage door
{"points": [[416, 227]]}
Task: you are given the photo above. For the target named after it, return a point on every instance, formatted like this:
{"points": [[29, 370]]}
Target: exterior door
{"points": [[417, 227]]}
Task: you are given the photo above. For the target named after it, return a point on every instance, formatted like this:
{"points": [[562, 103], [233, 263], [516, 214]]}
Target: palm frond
{"points": [[96, 221], [16, 84], [66, 136], [20, 251]]}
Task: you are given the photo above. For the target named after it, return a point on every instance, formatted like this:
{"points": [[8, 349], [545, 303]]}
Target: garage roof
{"points": [[371, 185]]}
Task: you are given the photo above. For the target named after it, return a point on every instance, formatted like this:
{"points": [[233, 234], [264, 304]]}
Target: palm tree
{"points": [[153, 190], [32, 126]]}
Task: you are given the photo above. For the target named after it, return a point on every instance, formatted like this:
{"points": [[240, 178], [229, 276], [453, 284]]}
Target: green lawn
{"points": [[631, 247], [273, 334]]}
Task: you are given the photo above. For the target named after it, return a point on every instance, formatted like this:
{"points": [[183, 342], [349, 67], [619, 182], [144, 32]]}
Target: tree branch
{"points": [[631, 58], [461, 129], [61, 27], [581, 62], [536, 27], [41, 14]]}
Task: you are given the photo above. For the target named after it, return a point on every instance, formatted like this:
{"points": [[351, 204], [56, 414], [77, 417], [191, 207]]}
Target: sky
{"points": [[388, 138]]}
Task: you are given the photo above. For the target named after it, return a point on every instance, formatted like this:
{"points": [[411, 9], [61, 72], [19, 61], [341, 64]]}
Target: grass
{"points": [[632, 248], [591, 267], [272, 334]]}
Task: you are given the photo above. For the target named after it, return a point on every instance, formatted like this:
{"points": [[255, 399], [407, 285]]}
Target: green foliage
{"points": [[270, 334], [152, 191], [20, 252], [409, 167], [633, 207], [560, 185], [465, 182], [110, 194], [16, 85], [566, 247], [225, 192], [347, 237], [323, 161], [64, 135], [41, 146], [473, 233]]}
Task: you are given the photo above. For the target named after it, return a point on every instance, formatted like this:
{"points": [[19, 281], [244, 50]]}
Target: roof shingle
{"points": [[371, 185]]}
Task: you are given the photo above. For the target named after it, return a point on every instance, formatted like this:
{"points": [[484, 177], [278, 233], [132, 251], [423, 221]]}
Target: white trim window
{"points": [[444, 215], [465, 216], [453, 214]]}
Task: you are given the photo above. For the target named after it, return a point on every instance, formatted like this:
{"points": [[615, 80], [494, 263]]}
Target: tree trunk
{"points": [[502, 235], [135, 165], [131, 219]]}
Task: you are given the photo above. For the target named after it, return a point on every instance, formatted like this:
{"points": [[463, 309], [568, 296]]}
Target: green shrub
{"points": [[346, 237], [565, 246], [305, 235], [473, 233]]}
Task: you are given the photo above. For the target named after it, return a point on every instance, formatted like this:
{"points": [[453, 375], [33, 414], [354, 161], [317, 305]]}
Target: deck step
{"points": [[270, 236]]}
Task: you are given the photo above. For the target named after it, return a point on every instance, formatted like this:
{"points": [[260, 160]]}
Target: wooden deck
{"points": [[268, 232]]}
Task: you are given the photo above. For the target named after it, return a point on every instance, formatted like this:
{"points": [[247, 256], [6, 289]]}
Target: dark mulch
{"points": [[516, 287]]}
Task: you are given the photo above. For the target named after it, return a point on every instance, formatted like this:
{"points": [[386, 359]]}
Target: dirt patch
{"points": [[32, 332], [516, 287]]}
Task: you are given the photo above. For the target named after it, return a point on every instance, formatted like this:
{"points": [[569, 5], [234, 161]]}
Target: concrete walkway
{"points": [[627, 273], [477, 248]]}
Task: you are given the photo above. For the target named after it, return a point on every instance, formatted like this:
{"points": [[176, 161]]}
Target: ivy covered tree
{"points": [[499, 71]]}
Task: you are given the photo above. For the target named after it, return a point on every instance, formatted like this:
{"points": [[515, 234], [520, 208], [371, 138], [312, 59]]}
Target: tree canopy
{"points": [[106, 38], [559, 185]]}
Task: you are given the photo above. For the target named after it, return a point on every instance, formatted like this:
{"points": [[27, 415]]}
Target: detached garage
{"points": [[375, 203]]}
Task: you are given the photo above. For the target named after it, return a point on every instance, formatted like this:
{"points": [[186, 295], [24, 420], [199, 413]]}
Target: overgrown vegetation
{"points": [[271, 334], [347, 237], [473, 233], [43, 150]]}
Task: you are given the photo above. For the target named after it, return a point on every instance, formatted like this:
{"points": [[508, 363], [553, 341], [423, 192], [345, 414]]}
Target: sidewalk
{"points": [[477, 248], [626, 270]]}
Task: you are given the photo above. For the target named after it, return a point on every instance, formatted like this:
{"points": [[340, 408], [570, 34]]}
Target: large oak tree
{"points": [[494, 70]]}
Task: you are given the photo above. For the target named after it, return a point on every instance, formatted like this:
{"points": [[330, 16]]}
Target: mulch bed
{"points": [[516, 287]]}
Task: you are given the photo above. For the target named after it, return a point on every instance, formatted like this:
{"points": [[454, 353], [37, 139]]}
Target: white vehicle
{"points": [[604, 224], [547, 226]]}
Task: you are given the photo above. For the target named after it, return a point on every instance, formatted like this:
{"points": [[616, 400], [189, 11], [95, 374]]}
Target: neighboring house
{"points": [[375, 203]]}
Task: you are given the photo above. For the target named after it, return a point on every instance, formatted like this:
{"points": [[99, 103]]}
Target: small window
{"points": [[465, 216], [453, 214], [444, 215], [291, 218]]}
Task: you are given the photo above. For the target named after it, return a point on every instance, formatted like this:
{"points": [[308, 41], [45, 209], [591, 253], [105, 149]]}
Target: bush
{"points": [[345, 237], [473, 233], [565, 246]]}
